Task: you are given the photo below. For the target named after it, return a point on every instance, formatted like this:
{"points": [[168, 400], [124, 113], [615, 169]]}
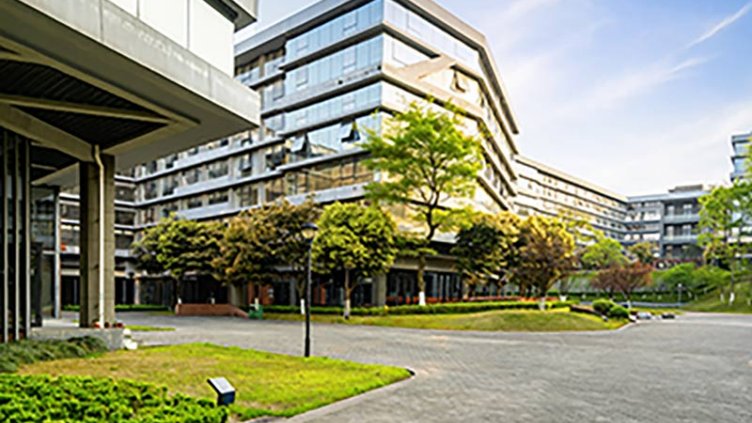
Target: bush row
{"points": [[445, 308], [16, 354], [86, 399], [125, 307]]}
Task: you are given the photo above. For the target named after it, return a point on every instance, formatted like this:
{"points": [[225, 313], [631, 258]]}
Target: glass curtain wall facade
{"points": [[326, 77], [322, 89]]}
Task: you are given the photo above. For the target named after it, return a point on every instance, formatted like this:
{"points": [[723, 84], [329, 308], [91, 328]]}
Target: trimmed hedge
{"points": [[443, 308], [125, 307], [618, 312], [16, 354], [86, 399], [603, 306]]}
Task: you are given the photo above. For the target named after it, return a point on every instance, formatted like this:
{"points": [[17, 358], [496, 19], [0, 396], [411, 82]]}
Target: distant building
{"points": [[543, 190], [670, 220], [740, 144]]}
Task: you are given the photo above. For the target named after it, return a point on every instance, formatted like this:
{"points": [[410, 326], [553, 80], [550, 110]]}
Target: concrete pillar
{"points": [[379, 290], [235, 295], [137, 290], [89, 241]]}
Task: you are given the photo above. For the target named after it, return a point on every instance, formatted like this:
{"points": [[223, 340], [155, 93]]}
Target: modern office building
{"points": [[543, 190], [326, 75], [740, 145], [88, 88], [670, 220]]}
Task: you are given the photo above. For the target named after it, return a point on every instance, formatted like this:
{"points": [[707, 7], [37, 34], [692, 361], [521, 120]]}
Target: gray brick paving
{"points": [[695, 369]]}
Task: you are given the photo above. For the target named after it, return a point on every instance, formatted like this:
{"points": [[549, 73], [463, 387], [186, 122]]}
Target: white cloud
{"points": [[610, 92], [721, 25], [696, 151]]}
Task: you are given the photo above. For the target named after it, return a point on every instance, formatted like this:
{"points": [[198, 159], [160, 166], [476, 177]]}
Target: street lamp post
{"points": [[309, 232]]}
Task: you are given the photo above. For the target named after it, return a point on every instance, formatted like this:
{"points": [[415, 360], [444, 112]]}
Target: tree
{"points": [[644, 252], [546, 254], [179, 247], [681, 274], [263, 243], [606, 252], [486, 249], [725, 216], [354, 239], [630, 277], [425, 160]]}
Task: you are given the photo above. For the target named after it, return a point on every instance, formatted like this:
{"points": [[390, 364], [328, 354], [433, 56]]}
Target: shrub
{"points": [[440, 308], [16, 354], [618, 312], [86, 399], [603, 306]]}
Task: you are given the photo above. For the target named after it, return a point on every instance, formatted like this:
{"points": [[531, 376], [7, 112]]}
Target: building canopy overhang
{"points": [[75, 76]]}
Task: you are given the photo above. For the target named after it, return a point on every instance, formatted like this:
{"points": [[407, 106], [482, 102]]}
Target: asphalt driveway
{"points": [[697, 368]]}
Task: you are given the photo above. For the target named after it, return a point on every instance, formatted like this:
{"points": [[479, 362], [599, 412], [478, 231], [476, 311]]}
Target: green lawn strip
{"points": [[266, 383], [145, 328], [711, 302], [504, 320]]}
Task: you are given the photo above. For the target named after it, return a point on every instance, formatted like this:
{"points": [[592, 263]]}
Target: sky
{"points": [[636, 96]]}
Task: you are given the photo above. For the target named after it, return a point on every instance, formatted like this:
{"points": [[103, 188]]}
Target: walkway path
{"points": [[695, 369]]}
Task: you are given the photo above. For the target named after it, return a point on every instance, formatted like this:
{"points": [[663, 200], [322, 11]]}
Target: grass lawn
{"points": [[659, 310], [502, 320], [266, 383], [712, 301], [145, 328]]}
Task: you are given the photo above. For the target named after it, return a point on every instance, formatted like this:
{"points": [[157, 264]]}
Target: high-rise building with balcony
{"points": [[740, 145], [670, 220], [543, 190]]}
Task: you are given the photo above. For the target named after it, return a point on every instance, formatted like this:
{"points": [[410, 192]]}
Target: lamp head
{"points": [[309, 230]]}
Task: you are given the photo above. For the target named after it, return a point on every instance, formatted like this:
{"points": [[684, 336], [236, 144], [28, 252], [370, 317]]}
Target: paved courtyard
{"points": [[695, 369]]}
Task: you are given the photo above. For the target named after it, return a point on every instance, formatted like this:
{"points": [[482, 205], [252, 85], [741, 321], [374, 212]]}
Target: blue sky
{"points": [[633, 95]]}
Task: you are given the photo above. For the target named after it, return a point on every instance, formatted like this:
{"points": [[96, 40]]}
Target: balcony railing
{"points": [[679, 239], [678, 218]]}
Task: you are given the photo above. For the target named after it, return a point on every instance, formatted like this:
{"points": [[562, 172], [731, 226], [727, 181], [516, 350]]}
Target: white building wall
{"points": [[193, 24]]}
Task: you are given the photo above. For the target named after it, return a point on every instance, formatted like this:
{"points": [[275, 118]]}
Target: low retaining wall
{"points": [[209, 310]]}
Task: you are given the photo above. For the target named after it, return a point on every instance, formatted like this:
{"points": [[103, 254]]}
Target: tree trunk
{"points": [[348, 292], [421, 279]]}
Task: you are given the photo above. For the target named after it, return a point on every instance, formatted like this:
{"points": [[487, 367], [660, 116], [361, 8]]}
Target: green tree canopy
{"points": [[604, 253], [179, 247], [644, 252], [725, 216], [260, 243], [546, 254], [486, 249], [425, 160], [353, 238]]}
